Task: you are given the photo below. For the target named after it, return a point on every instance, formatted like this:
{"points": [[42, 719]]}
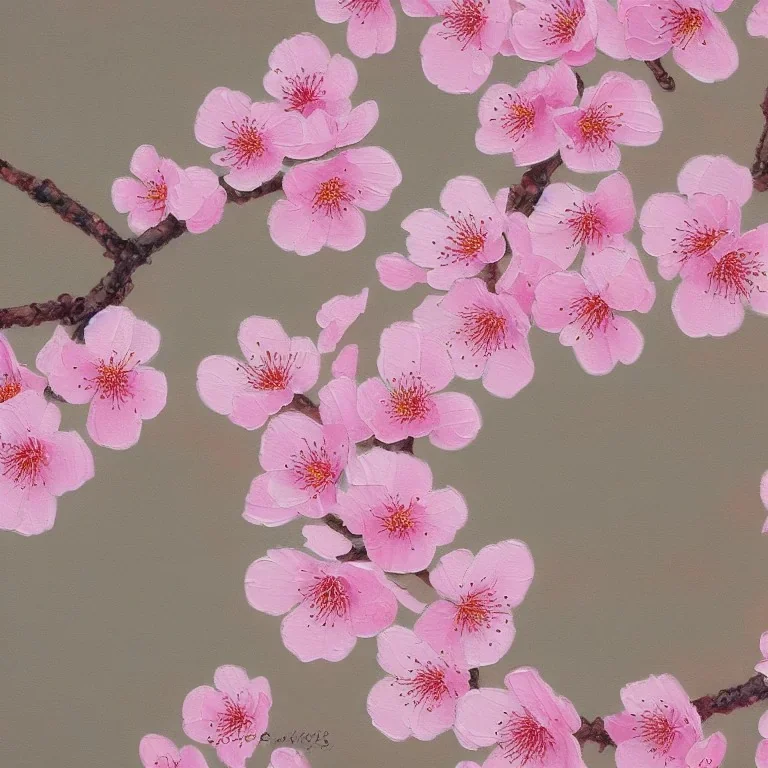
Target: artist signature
{"points": [[307, 740]]}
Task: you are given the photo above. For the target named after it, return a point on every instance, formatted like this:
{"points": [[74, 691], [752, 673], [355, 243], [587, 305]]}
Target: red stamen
{"points": [[408, 399], [245, 142], [466, 241], [464, 20], [561, 24], [24, 462], [328, 599], [329, 197], [484, 330], [523, 738]]}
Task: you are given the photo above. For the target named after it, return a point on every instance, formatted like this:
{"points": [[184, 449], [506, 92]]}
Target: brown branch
{"points": [[663, 78], [760, 166], [134, 253], [524, 196], [46, 193]]}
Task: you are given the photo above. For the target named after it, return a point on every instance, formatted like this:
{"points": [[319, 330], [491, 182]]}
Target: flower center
{"points": [[683, 23], [408, 399], [303, 91], [657, 731], [273, 372], [156, 193], [328, 599], [592, 312], [245, 143], [10, 386], [399, 519], [24, 462], [597, 125], [315, 468], [464, 19], [524, 738], [484, 330], [233, 723], [737, 274], [466, 241], [360, 7], [113, 379], [427, 686], [329, 197], [697, 240], [585, 224], [475, 609], [519, 118], [562, 21]]}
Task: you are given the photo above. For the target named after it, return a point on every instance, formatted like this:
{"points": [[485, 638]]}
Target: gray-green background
{"points": [[637, 492]]}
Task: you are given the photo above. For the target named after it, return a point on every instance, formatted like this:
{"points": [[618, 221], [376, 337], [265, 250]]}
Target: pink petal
{"points": [[113, 426], [450, 66], [261, 508], [338, 405], [708, 753], [554, 296], [272, 582], [716, 175], [358, 124], [404, 349], [151, 392], [309, 640], [126, 193], [701, 312], [477, 716], [145, 163], [154, 748], [336, 315], [284, 757], [219, 378], [38, 512], [459, 421], [398, 273], [70, 464], [448, 575], [220, 108], [321, 540], [345, 364], [711, 55]]}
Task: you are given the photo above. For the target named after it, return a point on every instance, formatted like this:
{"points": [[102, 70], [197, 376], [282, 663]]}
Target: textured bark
{"points": [[663, 78]]}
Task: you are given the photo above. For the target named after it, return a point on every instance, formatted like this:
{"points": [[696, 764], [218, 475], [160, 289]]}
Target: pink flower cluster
{"points": [[697, 236], [39, 463]]}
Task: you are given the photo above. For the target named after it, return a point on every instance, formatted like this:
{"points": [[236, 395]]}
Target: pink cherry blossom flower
{"points": [[159, 752], [477, 594], [419, 694], [553, 29], [761, 756], [276, 367], [304, 77], [329, 604], [582, 309], [254, 137], [398, 273], [213, 197], [303, 462], [37, 463], [230, 717], [757, 21], [521, 120], [335, 317], [530, 724], [461, 241], [372, 24], [159, 189], [567, 218], [324, 198], [16, 378], [658, 722], [338, 405], [764, 499], [407, 401], [707, 753], [284, 757], [618, 110], [390, 503], [486, 335], [109, 371], [699, 41], [711, 298], [457, 53]]}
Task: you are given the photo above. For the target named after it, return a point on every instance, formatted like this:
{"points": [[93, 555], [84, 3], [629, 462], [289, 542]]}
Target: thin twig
{"points": [[760, 166], [663, 78]]}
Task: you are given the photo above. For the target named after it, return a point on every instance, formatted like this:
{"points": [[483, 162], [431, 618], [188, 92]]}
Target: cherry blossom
{"points": [[338, 405], [16, 378], [398, 273], [303, 462], [324, 198], [159, 189], [764, 499], [391, 503], [109, 371], [159, 752], [371, 28], [461, 241], [476, 596], [230, 717], [528, 722], [699, 41], [711, 298], [757, 21], [285, 757], [419, 694], [658, 721], [38, 463], [457, 52], [520, 119], [335, 317], [328, 604], [254, 137], [618, 110], [566, 219], [582, 309], [407, 401], [486, 335], [552, 29], [761, 756], [213, 197], [708, 753], [276, 367]]}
